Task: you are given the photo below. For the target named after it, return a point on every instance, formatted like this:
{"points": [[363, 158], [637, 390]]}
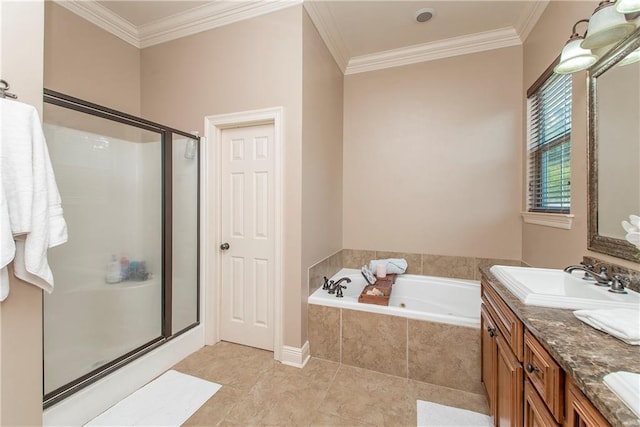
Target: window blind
{"points": [[549, 145]]}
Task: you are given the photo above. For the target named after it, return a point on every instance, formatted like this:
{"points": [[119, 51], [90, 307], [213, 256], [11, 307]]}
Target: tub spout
{"points": [[337, 286]]}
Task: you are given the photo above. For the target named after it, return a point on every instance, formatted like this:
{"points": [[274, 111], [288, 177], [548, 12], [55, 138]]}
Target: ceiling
{"points": [[361, 35]]}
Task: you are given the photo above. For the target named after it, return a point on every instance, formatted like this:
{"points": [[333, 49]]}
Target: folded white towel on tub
{"points": [[394, 265], [622, 323]]}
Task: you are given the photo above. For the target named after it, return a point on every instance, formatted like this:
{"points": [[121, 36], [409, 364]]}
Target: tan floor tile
{"points": [[323, 393], [285, 395], [228, 364], [370, 397], [323, 419], [447, 396], [215, 409]]}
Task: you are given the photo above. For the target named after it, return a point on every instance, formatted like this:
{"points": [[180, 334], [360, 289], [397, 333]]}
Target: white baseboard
{"points": [[86, 404], [296, 357]]}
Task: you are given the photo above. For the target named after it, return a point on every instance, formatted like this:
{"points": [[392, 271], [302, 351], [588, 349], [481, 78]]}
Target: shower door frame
{"points": [[166, 144]]}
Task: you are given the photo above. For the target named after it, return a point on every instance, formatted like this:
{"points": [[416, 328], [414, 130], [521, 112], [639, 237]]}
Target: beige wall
{"points": [[552, 247], [21, 52], [432, 157], [248, 65], [87, 62], [322, 95]]}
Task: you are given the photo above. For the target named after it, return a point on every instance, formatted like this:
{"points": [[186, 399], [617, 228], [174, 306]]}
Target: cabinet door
{"points": [[509, 387], [489, 357], [536, 413], [581, 412]]}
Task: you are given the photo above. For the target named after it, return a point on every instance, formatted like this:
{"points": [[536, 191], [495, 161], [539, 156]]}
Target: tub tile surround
{"points": [[458, 267], [414, 261], [325, 268], [440, 354], [444, 355], [449, 266], [374, 341], [325, 332]]}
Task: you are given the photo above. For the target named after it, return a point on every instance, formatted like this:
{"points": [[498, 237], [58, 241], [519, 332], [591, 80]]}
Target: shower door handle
{"points": [[225, 246]]}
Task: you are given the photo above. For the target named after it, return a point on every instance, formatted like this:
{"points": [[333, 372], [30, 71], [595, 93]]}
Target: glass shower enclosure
{"points": [[127, 279]]}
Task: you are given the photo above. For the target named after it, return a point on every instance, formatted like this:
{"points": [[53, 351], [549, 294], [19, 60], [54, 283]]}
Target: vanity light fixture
{"points": [[606, 26], [628, 6], [574, 58]]}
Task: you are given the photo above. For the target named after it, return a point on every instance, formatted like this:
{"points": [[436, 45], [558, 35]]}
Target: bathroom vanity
{"points": [[544, 367]]}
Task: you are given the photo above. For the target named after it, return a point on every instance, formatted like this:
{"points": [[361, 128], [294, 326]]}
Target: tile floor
{"points": [[256, 390]]}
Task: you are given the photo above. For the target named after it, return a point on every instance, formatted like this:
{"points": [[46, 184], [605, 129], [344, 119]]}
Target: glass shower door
{"points": [[108, 298]]}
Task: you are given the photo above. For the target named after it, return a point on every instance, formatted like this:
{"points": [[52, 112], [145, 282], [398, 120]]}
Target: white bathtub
{"points": [[430, 298]]}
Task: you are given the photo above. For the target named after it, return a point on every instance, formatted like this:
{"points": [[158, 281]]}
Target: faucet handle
{"points": [[603, 273], [586, 265], [331, 287], [325, 285], [618, 284]]}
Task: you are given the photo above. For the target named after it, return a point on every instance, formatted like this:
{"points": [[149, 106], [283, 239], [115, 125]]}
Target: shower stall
{"points": [[127, 280]]}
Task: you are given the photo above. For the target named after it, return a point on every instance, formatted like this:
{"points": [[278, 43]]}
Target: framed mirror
{"points": [[614, 148]]}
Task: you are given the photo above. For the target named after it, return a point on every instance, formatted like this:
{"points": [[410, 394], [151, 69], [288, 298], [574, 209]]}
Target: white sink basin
{"points": [[555, 288]]}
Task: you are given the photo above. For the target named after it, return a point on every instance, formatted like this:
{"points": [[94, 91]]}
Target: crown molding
{"points": [[182, 24], [206, 17], [322, 18], [529, 18], [104, 18], [455, 46]]}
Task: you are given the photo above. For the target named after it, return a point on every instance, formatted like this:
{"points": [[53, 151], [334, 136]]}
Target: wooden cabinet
{"points": [[544, 375], [502, 374], [536, 413], [524, 384], [508, 387], [580, 411], [489, 354]]}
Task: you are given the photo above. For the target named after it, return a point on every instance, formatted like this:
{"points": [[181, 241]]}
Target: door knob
{"points": [[225, 246]]}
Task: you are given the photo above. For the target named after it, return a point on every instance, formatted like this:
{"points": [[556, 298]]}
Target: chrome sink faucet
{"points": [[617, 283], [601, 279]]}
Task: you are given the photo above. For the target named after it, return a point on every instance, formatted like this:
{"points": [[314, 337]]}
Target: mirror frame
{"points": [[618, 248]]}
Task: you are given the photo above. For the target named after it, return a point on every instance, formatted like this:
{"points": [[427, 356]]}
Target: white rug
{"points": [[169, 400], [434, 415]]}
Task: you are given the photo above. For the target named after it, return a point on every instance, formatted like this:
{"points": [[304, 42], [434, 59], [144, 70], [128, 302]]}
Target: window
{"points": [[549, 143]]}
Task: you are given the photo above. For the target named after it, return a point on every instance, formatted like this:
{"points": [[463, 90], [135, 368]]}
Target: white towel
{"points": [[626, 385], [30, 203], [622, 323], [394, 265]]}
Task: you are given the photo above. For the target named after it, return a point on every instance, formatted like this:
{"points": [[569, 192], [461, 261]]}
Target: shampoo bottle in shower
{"points": [[113, 270]]}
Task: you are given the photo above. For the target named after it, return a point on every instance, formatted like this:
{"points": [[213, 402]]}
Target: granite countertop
{"points": [[586, 354]]}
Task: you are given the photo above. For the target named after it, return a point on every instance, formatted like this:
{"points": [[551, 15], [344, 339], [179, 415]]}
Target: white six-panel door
{"points": [[248, 226]]}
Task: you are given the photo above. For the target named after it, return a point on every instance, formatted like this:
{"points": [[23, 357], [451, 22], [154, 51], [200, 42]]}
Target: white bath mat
{"points": [[169, 400], [434, 415]]}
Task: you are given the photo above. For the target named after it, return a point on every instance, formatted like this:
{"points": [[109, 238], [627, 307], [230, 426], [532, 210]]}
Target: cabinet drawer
{"points": [[536, 413], [506, 320], [544, 374]]}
